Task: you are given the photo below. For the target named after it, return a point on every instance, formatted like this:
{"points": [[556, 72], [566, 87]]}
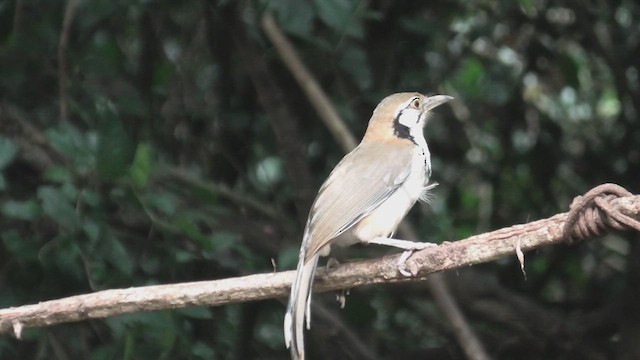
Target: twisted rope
{"points": [[593, 214]]}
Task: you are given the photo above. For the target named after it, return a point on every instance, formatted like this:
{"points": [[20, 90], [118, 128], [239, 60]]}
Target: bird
{"points": [[365, 197]]}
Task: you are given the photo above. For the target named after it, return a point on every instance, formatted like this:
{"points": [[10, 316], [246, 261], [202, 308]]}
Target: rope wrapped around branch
{"points": [[593, 214]]}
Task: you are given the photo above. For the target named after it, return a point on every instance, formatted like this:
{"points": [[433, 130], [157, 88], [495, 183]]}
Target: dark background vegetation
{"points": [[165, 141]]}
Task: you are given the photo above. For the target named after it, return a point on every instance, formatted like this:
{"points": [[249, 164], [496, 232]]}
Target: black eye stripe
{"points": [[400, 130]]}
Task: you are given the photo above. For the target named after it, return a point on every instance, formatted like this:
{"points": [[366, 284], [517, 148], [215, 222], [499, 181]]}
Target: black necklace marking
{"points": [[402, 131]]}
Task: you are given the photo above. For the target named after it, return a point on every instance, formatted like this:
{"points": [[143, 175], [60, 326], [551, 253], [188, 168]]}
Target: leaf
{"points": [[469, 77], [115, 150], [59, 174], [62, 258], [354, 61], [196, 312], [8, 151], [58, 207], [340, 16], [295, 17], [190, 228], [223, 240], [21, 249], [22, 210], [203, 351], [269, 171], [72, 142], [164, 202], [119, 256], [140, 170]]}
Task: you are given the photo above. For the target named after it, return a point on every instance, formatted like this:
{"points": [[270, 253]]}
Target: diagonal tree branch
{"points": [[473, 250], [281, 118], [310, 86], [63, 65]]}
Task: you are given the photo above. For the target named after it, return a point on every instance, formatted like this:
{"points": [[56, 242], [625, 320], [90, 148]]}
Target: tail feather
{"points": [[299, 307]]}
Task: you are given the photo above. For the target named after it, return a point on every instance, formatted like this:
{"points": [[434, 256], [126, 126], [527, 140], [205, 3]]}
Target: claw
{"points": [[402, 261], [332, 263]]}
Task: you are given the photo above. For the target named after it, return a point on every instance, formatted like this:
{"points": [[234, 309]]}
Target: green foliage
{"points": [[8, 151], [177, 163], [141, 166], [115, 149]]}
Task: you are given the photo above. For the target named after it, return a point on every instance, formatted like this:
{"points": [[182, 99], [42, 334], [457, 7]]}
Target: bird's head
{"points": [[402, 116]]}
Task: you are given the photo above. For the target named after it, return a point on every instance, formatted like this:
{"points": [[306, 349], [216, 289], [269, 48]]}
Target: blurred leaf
{"points": [[59, 174], [130, 103], [183, 256], [118, 255], [62, 258], [141, 167], [164, 202], [570, 69], [221, 241], [608, 105], [106, 351], [288, 258], [191, 229], [115, 149], [21, 249], [91, 229], [146, 335], [162, 77], [58, 207], [74, 144], [269, 171], [354, 62], [196, 312], [296, 17], [203, 351], [340, 16], [22, 210], [8, 151], [91, 198], [469, 76]]}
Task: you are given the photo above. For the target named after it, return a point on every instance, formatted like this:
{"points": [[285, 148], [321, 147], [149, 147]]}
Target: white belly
{"points": [[384, 220]]}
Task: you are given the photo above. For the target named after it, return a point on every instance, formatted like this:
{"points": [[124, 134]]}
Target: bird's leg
{"points": [[341, 296], [402, 244], [408, 246]]}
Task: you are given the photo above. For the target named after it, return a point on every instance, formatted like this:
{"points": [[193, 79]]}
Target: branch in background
{"points": [[35, 148], [467, 338], [336, 328], [18, 17], [446, 302], [222, 190], [63, 65], [280, 117], [474, 250], [312, 89]]}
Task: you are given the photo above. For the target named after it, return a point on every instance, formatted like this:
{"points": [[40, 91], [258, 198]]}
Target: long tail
{"points": [[299, 306]]}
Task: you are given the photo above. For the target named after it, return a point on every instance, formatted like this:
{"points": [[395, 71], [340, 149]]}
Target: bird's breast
{"points": [[385, 218]]}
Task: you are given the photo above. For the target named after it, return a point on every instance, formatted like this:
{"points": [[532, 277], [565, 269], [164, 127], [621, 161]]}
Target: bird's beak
{"points": [[434, 101]]}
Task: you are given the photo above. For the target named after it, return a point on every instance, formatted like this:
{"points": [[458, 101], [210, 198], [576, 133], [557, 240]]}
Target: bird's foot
{"points": [[409, 246], [332, 263], [402, 261]]}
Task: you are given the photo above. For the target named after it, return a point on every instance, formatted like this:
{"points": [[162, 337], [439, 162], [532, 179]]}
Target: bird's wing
{"points": [[362, 180]]}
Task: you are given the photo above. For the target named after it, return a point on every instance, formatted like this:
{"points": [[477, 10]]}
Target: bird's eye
{"points": [[415, 103]]}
